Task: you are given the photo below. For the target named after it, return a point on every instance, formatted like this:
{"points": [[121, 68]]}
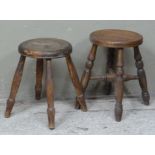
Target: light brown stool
{"points": [[116, 41]]}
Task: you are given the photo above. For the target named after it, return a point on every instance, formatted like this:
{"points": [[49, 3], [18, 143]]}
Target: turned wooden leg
{"points": [[109, 68], [39, 75], [119, 84], [87, 72], [15, 85], [141, 75], [50, 95], [76, 83]]}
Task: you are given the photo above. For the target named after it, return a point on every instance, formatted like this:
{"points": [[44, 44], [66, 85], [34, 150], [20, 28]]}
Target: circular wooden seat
{"points": [[116, 38], [45, 48]]}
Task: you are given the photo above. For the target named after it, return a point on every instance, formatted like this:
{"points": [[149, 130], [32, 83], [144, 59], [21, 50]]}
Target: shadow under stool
{"points": [[45, 49], [116, 40]]}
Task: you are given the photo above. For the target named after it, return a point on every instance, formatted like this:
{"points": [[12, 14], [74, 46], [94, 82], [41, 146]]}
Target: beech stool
{"points": [[116, 41], [45, 50]]}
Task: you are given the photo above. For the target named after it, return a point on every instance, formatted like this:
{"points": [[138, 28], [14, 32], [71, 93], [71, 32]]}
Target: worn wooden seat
{"points": [[116, 41], [44, 50], [116, 38]]}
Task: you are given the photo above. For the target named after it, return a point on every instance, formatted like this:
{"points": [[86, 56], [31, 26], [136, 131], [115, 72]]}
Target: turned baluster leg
{"points": [[15, 85], [119, 84], [87, 72], [39, 75], [76, 83], [141, 75], [50, 94], [109, 68]]}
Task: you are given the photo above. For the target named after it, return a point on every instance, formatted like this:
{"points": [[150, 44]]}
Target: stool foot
{"points": [[38, 94], [39, 75], [51, 118], [82, 104], [146, 98], [15, 86], [10, 104], [77, 105], [118, 112], [7, 114]]}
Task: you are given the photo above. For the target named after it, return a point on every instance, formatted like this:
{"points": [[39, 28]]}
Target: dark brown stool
{"points": [[116, 41], [45, 49]]}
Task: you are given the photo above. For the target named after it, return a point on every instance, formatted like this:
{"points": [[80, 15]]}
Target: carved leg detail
{"points": [[119, 85], [50, 95], [141, 75], [87, 72], [76, 83], [109, 67], [15, 85], [39, 75]]}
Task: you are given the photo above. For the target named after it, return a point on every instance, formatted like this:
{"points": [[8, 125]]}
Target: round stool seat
{"points": [[45, 48], [116, 38]]}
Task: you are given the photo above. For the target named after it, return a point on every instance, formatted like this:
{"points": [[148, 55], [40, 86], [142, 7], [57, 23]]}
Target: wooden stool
{"points": [[45, 49], [116, 41]]}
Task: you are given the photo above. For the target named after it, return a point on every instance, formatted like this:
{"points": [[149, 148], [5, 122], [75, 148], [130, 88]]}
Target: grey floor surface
{"points": [[31, 118]]}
